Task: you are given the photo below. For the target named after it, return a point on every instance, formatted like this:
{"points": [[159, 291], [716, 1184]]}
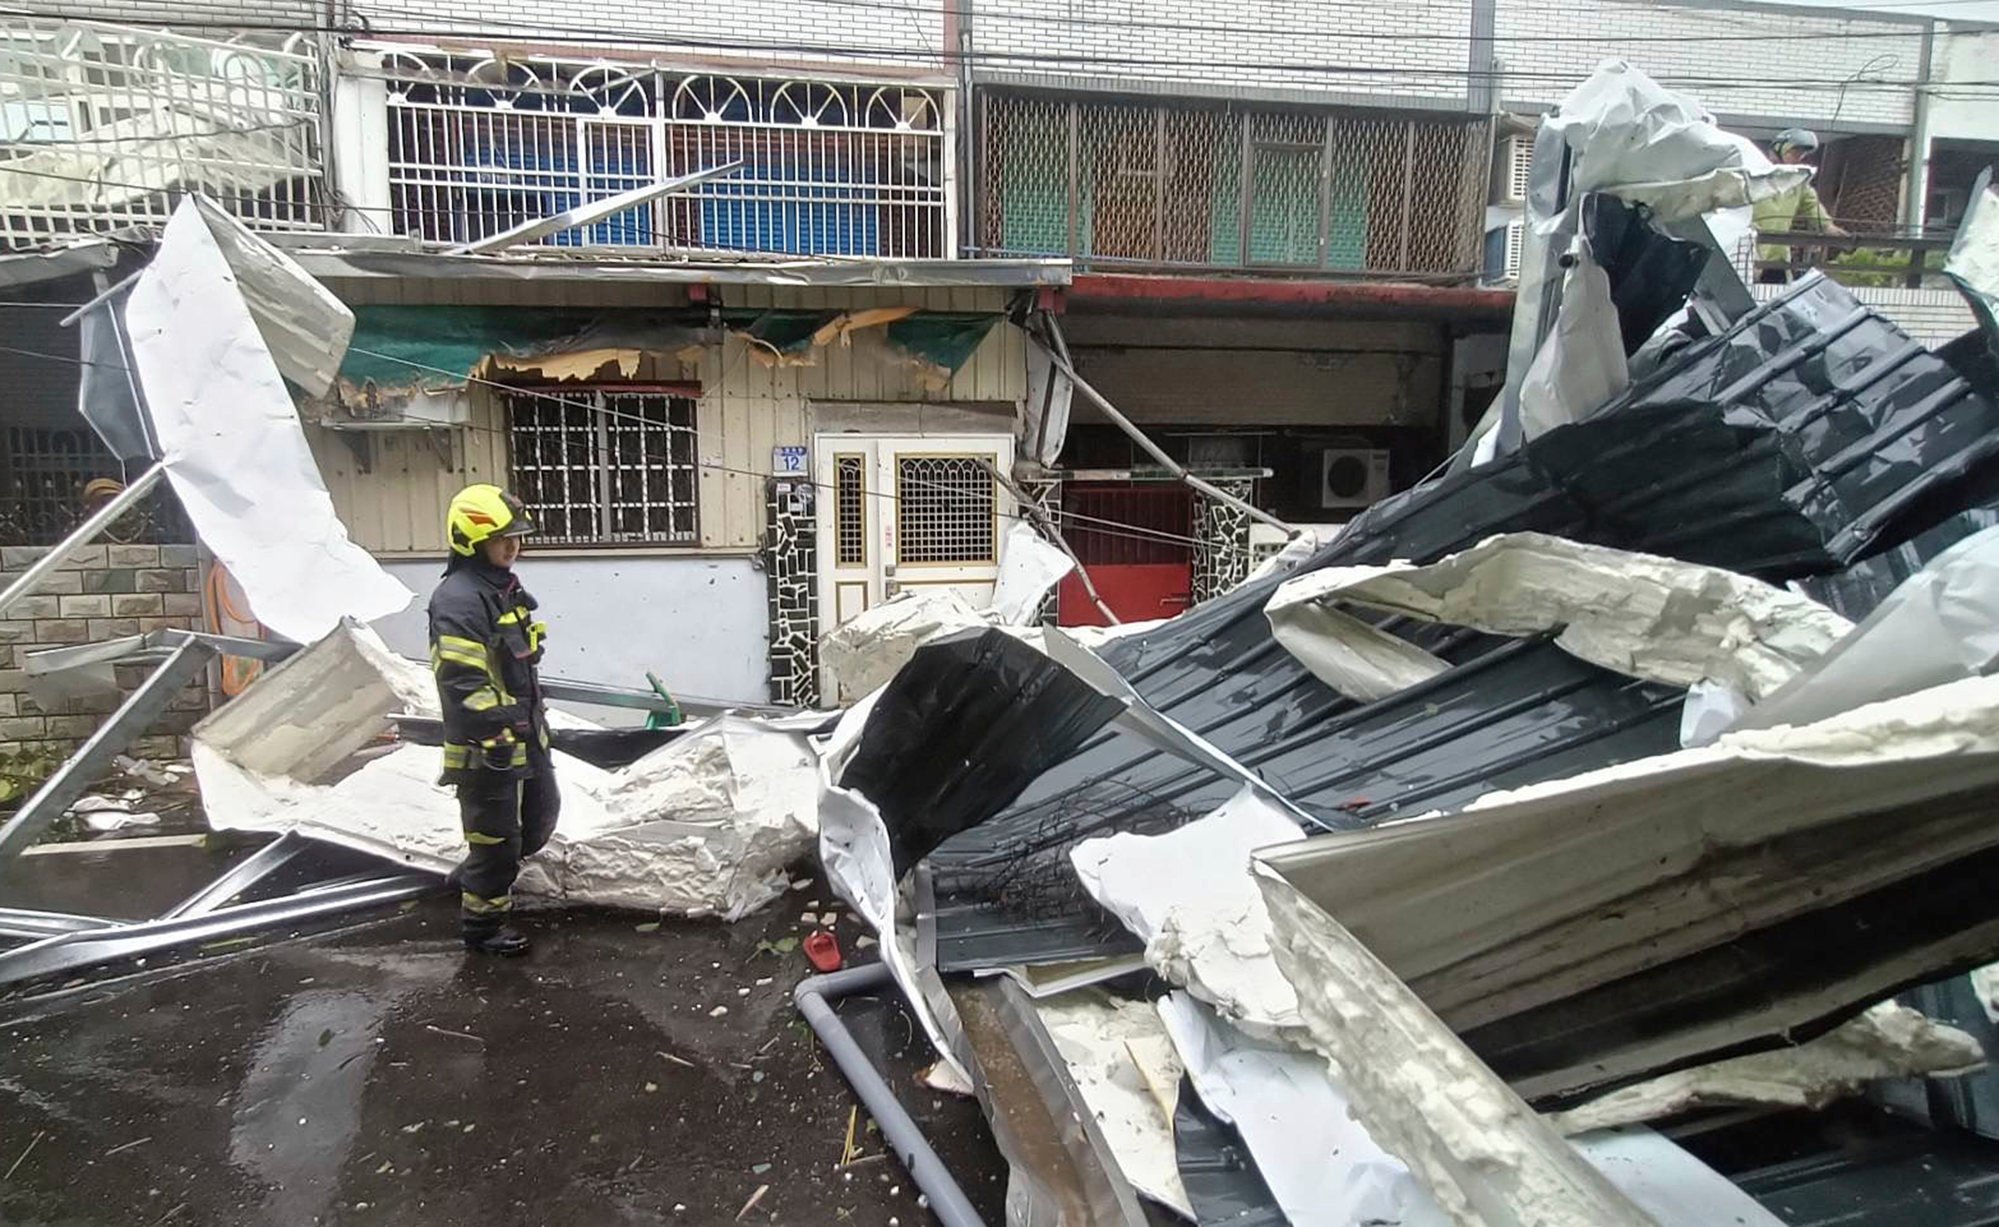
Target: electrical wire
{"points": [[624, 39], [1088, 523], [159, 137], [512, 390], [604, 39], [1072, 21]]}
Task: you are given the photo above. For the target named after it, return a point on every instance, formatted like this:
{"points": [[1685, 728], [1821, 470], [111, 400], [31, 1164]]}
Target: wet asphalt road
{"points": [[377, 1076]]}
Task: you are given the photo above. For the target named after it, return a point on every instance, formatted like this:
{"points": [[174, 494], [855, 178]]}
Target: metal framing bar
{"points": [[85, 533], [1408, 188], [75, 951], [55, 660], [595, 211], [1075, 178], [1112, 1199], [70, 780], [1034, 512], [1059, 356], [26, 922], [253, 869]]}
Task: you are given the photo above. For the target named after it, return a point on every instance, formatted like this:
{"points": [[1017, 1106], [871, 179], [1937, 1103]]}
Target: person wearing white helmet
{"points": [[1796, 209]]}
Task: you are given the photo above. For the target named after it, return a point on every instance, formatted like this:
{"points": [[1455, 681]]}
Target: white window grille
{"points": [[944, 510], [479, 145], [1516, 160], [1516, 235], [601, 467], [104, 126], [850, 511]]}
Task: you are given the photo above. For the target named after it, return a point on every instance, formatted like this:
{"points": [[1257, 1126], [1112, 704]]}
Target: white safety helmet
{"points": [[1802, 139]]}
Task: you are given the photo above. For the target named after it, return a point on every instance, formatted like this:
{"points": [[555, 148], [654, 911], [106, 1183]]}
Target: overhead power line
{"points": [[609, 38], [1086, 523]]}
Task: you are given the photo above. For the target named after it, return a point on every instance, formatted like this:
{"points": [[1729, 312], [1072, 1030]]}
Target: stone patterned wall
{"points": [[790, 554], [1221, 557], [102, 592]]}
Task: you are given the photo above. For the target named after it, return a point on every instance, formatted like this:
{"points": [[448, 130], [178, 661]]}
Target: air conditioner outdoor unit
{"points": [[1516, 234], [1353, 477]]}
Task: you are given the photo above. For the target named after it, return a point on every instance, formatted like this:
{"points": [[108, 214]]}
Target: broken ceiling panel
{"points": [[703, 825], [1642, 615], [1637, 919], [1888, 1041]]}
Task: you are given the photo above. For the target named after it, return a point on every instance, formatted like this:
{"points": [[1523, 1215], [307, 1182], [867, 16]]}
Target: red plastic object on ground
{"points": [[824, 951]]}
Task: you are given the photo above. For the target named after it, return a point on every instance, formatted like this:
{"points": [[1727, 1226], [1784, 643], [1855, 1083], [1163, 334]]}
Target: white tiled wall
{"points": [[1930, 316]]}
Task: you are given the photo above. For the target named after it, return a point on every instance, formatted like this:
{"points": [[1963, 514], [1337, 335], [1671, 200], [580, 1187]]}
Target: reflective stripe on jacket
{"points": [[484, 649]]}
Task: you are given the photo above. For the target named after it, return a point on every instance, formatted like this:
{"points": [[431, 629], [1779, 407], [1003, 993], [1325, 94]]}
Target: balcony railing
{"points": [[1114, 184], [1892, 259], [103, 126], [479, 145]]}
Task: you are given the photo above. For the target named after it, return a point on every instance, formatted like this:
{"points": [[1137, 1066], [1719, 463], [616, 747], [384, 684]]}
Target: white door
{"points": [[901, 513]]}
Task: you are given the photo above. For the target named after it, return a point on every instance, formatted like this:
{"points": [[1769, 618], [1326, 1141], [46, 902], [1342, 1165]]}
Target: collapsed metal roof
{"points": [[1808, 436]]}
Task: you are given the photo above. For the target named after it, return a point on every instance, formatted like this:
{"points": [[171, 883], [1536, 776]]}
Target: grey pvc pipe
{"points": [[814, 997]]}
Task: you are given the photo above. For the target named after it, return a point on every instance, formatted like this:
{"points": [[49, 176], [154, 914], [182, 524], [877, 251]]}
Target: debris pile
{"points": [[1630, 767], [326, 766]]}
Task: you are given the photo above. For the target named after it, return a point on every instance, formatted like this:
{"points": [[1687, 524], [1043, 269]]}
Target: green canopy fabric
{"points": [[435, 346]]}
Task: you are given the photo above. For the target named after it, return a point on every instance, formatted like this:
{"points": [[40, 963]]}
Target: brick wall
{"points": [[302, 13], [1933, 317], [1736, 60], [1740, 67], [1294, 46], [103, 592]]}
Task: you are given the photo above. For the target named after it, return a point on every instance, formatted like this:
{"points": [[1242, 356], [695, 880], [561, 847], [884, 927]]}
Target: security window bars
{"points": [[1127, 184], [606, 467], [850, 509], [944, 510], [106, 126], [480, 145], [43, 474]]}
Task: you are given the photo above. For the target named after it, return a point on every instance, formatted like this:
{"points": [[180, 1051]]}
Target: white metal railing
{"points": [[477, 145], [102, 126]]}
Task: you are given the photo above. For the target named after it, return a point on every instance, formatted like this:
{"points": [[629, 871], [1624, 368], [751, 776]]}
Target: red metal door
{"points": [[1134, 540]]}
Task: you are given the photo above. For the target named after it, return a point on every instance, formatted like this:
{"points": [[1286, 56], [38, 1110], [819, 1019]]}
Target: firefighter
{"points": [[485, 645], [1789, 211]]}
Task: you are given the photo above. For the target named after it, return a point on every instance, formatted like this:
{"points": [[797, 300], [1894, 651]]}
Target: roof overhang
{"points": [[1183, 295], [350, 258], [20, 268]]}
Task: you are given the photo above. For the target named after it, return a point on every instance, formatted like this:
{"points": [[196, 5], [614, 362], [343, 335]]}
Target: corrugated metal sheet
{"points": [[746, 409], [1794, 444], [1932, 1180]]}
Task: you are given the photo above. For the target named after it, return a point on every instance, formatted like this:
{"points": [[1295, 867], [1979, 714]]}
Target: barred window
{"points": [[850, 510], [44, 473], [944, 510], [603, 467]]}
